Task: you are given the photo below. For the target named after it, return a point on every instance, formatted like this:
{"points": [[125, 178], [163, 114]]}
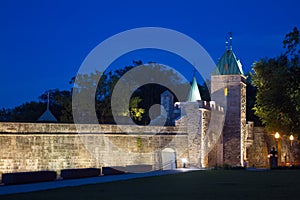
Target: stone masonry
{"points": [[234, 103], [48, 146]]}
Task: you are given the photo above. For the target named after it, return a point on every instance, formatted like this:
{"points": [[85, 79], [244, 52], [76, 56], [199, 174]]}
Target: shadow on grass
{"points": [[210, 184]]}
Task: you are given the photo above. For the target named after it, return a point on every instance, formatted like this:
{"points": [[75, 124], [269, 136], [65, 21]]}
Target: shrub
{"points": [[28, 177], [111, 171], [79, 173]]}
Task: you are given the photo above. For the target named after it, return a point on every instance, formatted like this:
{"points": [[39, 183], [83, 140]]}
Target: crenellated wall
{"points": [[203, 121]]}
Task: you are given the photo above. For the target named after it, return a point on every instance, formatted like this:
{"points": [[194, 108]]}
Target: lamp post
{"points": [[291, 139], [277, 136], [291, 151]]}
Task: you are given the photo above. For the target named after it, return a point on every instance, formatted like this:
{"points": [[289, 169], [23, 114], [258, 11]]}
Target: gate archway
{"points": [[168, 159]]}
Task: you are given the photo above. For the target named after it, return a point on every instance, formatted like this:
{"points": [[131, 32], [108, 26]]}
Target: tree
{"points": [[27, 112], [150, 93], [5, 114], [251, 91], [278, 88], [89, 83], [60, 104], [291, 43]]}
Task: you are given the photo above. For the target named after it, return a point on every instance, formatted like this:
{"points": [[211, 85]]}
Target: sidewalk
{"points": [[12, 189]]}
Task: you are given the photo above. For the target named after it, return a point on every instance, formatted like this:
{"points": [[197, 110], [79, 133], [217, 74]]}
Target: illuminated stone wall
{"points": [[204, 125], [234, 104], [259, 143], [41, 146], [257, 147]]}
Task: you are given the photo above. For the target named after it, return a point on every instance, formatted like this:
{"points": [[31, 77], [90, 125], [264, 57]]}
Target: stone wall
{"points": [[234, 103], [190, 118], [257, 150], [31, 152], [31, 147], [204, 122], [15, 127], [260, 143]]}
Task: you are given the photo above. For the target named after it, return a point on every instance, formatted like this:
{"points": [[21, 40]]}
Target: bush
{"points": [[111, 171], [28, 177], [79, 173], [285, 167], [228, 167]]}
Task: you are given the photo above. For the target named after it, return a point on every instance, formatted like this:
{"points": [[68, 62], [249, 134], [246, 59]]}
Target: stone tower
{"points": [[228, 88]]}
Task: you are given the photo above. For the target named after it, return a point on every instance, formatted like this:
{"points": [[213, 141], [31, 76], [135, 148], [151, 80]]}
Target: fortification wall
{"points": [[260, 143], [15, 127], [257, 151], [32, 147], [203, 121]]}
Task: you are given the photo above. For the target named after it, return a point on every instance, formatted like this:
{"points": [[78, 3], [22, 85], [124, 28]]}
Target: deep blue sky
{"points": [[43, 43]]}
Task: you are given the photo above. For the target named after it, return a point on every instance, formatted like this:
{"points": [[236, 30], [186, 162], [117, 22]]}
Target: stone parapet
{"points": [[15, 127]]}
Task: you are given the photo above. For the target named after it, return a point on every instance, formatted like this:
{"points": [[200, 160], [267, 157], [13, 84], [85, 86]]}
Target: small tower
{"points": [[167, 101], [47, 116], [194, 94], [228, 88]]}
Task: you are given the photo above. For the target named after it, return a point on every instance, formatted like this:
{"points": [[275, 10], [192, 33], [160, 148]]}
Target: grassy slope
{"points": [[220, 184]]}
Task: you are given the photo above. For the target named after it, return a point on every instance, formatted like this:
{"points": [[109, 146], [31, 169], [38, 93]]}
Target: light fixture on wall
{"points": [[184, 161]]}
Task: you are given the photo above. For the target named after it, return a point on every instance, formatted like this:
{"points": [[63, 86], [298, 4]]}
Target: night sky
{"points": [[43, 43]]}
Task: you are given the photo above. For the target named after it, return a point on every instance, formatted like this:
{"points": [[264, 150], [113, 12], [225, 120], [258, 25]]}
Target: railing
{"points": [[168, 163]]}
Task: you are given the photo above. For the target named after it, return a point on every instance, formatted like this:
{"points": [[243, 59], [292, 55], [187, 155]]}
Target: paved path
{"points": [[12, 189]]}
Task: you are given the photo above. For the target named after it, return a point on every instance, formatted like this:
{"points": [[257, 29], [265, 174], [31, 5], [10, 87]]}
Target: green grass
{"points": [[216, 184]]}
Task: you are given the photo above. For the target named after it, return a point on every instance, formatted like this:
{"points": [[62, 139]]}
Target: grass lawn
{"points": [[215, 184]]}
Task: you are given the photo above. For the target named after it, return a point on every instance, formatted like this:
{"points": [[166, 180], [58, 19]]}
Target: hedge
{"points": [[79, 173], [111, 171], [28, 177]]}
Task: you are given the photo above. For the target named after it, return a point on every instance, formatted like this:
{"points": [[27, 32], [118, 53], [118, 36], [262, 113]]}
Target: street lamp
{"points": [[277, 136], [291, 151], [291, 139]]}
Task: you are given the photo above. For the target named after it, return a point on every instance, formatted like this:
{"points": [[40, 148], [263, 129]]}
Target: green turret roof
{"points": [[228, 64], [194, 93]]}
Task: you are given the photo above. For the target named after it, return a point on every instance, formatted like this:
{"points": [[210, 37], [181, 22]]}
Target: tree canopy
{"points": [[141, 100], [278, 88]]}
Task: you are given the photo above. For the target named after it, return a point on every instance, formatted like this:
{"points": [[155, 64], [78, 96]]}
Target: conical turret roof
{"points": [[194, 93], [228, 64]]}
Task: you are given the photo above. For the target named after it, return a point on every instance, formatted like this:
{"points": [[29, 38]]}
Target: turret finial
{"points": [[226, 42], [230, 40]]}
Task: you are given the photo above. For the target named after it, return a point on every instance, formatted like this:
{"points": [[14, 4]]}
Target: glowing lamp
{"points": [[277, 136], [184, 161], [226, 91]]}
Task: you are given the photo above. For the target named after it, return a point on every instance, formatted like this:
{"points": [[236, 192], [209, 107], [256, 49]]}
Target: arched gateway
{"points": [[168, 158]]}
